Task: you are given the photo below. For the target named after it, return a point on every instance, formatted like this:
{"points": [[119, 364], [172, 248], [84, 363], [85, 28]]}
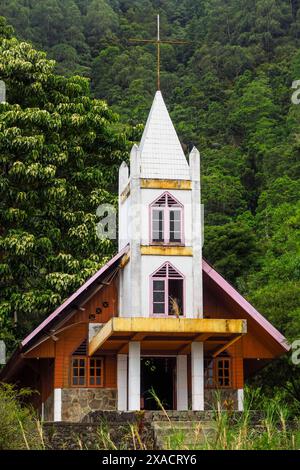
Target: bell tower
{"points": [[160, 218]]}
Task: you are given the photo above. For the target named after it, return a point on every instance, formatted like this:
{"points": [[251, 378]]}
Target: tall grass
{"points": [[269, 427], [19, 426]]}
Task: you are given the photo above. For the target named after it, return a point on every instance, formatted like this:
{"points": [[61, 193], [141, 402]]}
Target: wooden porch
{"points": [[167, 335]]}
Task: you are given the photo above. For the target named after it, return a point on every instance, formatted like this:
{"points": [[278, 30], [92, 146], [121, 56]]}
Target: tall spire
{"points": [[161, 153]]}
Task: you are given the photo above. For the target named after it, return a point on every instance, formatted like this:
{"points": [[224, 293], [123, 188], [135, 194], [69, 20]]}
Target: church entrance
{"points": [[158, 383]]}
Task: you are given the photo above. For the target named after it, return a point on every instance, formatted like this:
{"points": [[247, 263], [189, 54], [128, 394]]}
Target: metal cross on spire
{"points": [[158, 42]]}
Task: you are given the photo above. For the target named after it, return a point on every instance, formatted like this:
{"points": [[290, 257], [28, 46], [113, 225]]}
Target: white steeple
{"points": [[161, 153]]}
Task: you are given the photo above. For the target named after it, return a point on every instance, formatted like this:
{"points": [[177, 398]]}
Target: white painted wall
{"points": [[124, 223], [148, 196], [150, 264], [194, 159], [57, 404], [123, 207], [134, 376], [122, 381], [240, 399], [125, 292], [197, 363], [134, 228], [182, 382]]}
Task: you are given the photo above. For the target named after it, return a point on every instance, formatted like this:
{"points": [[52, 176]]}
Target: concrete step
{"points": [[182, 434], [174, 415]]}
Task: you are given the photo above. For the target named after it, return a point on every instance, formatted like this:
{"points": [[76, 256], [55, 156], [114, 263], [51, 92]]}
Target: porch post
{"points": [[122, 381], [240, 399], [57, 404], [182, 386], [134, 376], [197, 376]]}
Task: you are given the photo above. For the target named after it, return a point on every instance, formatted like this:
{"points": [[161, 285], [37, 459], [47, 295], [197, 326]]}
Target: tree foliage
{"points": [[59, 153]]}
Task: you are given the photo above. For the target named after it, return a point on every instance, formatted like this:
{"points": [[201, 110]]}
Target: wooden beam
{"points": [[124, 260], [200, 338], [214, 341], [165, 184], [185, 349], [125, 193], [158, 250], [123, 349], [138, 337], [179, 326], [226, 346]]}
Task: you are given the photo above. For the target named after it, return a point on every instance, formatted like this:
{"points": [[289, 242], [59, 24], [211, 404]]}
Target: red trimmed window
{"points": [[166, 220], [167, 291]]}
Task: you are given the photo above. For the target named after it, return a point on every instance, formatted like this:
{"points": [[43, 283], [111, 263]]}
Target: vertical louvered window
{"points": [[166, 220], [167, 291], [157, 225]]}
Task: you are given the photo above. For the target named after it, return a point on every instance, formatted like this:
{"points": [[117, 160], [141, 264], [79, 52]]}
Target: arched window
{"points": [[166, 220], [167, 293]]}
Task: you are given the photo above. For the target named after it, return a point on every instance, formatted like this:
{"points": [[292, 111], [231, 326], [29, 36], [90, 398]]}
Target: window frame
{"points": [[166, 209], [87, 369], [96, 358], [166, 279], [219, 360], [215, 376], [74, 358], [162, 210]]}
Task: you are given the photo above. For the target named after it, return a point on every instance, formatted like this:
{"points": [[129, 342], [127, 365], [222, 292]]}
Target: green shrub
{"points": [[19, 426]]}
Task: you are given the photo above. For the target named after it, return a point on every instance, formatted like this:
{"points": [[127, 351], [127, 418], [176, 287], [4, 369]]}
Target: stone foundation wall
{"points": [[78, 402], [108, 430], [227, 398]]}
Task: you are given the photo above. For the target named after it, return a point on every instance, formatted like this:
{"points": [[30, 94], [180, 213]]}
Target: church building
{"points": [[157, 322]]}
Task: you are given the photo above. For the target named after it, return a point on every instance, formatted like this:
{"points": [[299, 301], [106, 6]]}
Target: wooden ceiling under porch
{"points": [[167, 335]]}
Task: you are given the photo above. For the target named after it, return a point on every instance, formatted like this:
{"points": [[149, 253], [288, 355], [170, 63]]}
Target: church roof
{"points": [[73, 300], [208, 270], [227, 289], [78, 297], [162, 156]]}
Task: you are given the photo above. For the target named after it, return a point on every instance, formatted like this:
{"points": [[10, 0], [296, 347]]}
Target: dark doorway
{"points": [[158, 374]]}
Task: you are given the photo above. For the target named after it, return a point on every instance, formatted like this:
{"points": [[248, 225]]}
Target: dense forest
{"points": [[229, 92]]}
